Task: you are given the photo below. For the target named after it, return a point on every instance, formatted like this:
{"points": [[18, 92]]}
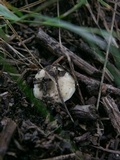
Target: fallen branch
{"points": [[54, 47], [93, 85], [113, 112]]}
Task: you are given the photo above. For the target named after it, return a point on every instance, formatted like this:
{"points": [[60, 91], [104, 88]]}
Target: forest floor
{"points": [[31, 129]]}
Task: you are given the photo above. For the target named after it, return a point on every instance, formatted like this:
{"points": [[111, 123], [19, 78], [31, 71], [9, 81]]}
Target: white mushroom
{"points": [[46, 88]]}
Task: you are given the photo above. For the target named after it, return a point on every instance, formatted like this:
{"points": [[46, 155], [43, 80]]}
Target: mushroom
{"points": [[52, 83]]}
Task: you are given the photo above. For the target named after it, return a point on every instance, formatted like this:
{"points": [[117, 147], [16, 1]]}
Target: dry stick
{"points": [[72, 69], [107, 150], [33, 4], [56, 76], [27, 4], [20, 40], [58, 60], [54, 47], [62, 157], [77, 84], [94, 84], [61, 98], [96, 22], [113, 112], [106, 57], [6, 135]]}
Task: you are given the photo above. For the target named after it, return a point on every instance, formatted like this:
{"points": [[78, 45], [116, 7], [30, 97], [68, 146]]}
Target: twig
{"points": [[94, 85], [61, 46], [106, 57], [107, 150], [61, 98], [63, 157], [113, 112], [54, 47]]}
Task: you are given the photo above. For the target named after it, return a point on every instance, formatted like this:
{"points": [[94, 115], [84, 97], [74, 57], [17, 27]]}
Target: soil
{"points": [[32, 129]]}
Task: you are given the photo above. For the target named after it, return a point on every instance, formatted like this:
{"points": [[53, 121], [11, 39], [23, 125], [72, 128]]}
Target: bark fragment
{"points": [[6, 135], [113, 112]]}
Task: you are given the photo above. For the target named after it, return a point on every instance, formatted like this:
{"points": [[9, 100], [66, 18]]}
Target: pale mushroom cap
{"points": [[40, 74], [66, 85], [37, 93]]}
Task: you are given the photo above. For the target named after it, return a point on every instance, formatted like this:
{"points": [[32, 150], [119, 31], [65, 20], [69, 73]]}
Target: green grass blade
{"points": [[116, 55], [3, 35], [105, 4], [112, 69], [7, 14]]}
